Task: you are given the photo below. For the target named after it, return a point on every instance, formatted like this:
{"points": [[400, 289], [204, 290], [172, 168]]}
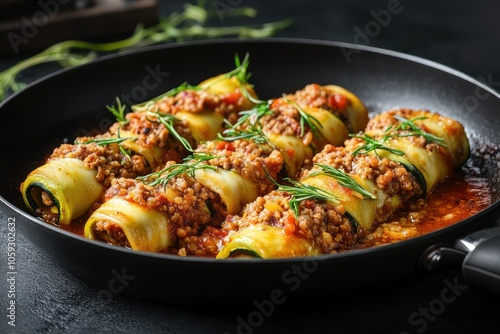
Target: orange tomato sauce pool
{"points": [[457, 198]]}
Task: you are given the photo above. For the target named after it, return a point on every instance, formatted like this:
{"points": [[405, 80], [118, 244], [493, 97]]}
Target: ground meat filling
{"points": [[110, 234], [255, 162], [108, 160], [285, 120], [150, 133], [227, 105], [321, 223], [389, 176], [190, 206], [314, 95]]}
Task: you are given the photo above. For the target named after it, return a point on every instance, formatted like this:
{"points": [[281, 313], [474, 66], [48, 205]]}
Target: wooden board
{"points": [[103, 20]]}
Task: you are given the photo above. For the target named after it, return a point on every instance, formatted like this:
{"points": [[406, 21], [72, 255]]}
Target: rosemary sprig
{"points": [[253, 116], [302, 192], [414, 130], [118, 111], [251, 132], [191, 163], [343, 179], [406, 125], [178, 26], [311, 121], [172, 92], [168, 121], [372, 144], [240, 72]]}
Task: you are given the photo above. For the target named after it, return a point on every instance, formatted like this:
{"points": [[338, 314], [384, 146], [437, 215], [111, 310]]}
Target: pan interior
{"points": [[72, 103]]}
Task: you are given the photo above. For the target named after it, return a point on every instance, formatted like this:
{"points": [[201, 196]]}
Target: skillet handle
{"points": [[481, 267], [478, 254]]}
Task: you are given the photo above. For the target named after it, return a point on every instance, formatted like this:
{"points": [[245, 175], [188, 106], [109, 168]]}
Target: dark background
{"points": [[464, 35]]}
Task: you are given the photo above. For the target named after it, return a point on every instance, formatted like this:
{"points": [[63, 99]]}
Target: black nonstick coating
{"points": [[72, 102]]}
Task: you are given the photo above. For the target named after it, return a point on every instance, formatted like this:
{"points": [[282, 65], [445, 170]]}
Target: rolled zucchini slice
{"points": [[450, 130], [154, 155], [204, 125], [332, 130], [265, 241], [63, 189], [234, 190], [357, 114], [293, 150], [434, 165], [222, 85], [145, 229], [364, 211]]}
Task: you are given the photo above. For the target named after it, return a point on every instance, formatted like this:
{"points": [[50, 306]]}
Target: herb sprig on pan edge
{"points": [[179, 26]]}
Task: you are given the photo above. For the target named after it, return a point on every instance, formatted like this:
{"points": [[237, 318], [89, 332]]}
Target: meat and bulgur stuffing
{"points": [[210, 170]]}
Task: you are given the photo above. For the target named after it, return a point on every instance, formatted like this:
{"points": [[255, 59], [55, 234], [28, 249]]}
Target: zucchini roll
{"points": [[138, 143], [74, 177], [351, 190], [61, 189], [205, 107], [217, 180], [301, 124], [429, 145]]}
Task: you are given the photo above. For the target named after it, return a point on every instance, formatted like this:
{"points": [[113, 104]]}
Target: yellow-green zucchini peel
{"points": [[364, 211], [204, 125], [357, 114], [71, 187], [234, 190], [145, 229], [265, 241], [434, 165], [153, 154], [332, 130], [293, 150]]}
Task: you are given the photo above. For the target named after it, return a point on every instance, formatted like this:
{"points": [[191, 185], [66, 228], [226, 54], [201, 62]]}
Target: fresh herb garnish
{"points": [[343, 179], [168, 121], [251, 132], [248, 126], [311, 121], [414, 130], [302, 192], [253, 115], [145, 106], [191, 163], [372, 144], [409, 129], [119, 112], [178, 26]]}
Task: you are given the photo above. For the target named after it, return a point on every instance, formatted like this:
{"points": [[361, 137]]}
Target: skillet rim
{"points": [[285, 41]]}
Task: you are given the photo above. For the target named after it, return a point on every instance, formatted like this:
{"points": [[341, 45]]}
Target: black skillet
{"points": [[72, 102]]}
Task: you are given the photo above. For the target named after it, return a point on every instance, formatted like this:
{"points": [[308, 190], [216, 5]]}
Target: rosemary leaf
{"points": [[343, 179]]}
